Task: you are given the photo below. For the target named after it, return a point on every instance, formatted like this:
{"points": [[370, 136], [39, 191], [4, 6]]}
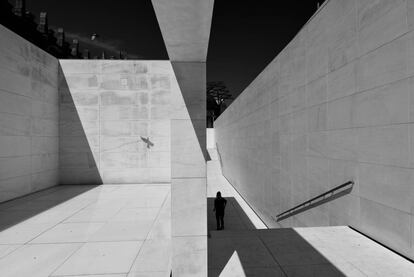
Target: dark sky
{"points": [[245, 35], [128, 25]]}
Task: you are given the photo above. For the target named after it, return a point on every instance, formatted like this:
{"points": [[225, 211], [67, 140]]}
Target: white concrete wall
{"points": [[188, 171], [335, 105], [28, 117], [105, 109], [211, 139]]}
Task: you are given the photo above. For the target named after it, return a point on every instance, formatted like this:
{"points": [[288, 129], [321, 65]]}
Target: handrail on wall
{"points": [[319, 196]]}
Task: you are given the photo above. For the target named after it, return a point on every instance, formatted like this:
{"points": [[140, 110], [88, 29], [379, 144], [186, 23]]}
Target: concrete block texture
{"points": [[185, 27], [115, 120], [188, 170], [29, 127], [186, 217], [189, 256], [294, 133]]}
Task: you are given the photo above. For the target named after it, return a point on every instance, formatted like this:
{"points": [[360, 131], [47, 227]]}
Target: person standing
{"points": [[219, 206]]}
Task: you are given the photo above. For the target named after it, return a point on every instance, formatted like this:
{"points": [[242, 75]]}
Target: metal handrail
{"points": [[319, 196]]}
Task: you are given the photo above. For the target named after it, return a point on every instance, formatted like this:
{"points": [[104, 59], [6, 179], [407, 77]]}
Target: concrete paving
{"points": [[108, 230], [243, 249], [239, 215]]}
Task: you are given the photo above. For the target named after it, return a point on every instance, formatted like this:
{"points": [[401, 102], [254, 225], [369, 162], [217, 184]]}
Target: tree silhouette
{"points": [[217, 94]]}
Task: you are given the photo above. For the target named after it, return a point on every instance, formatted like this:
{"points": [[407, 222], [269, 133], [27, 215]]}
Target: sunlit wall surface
{"points": [[333, 106], [115, 121]]}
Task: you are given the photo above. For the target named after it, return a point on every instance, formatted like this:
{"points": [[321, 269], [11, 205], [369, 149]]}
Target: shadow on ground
{"points": [[23, 208], [242, 250], [234, 217]]}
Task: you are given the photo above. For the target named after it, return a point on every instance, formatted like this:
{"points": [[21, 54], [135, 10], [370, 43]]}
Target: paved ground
{"points": [[109, 230], [124, 231], [238, 215], [243, 250]]}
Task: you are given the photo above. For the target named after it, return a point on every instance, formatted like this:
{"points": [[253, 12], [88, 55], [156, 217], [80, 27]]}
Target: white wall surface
{"points": [[105, 109], [335, 105], [211, 139], [188, 171], [28, 117]]}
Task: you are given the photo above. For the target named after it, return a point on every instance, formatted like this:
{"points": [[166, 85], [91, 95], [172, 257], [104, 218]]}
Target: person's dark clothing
{"points": [[219, 206], [220, 221]]}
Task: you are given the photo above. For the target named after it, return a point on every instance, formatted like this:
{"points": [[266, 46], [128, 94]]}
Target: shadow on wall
{"points": [[79, 139], [266, 252], [191, 78], [219, 156]]}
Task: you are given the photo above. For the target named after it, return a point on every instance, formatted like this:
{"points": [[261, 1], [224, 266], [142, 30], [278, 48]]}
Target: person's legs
{"points": [[218, 221], [222, 221]]}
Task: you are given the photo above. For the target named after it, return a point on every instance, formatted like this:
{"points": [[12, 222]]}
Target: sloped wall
{"points": [[28, 117], [335, 105], [108, 110]]}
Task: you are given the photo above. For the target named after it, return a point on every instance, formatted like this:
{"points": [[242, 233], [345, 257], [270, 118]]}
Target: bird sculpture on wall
{"points": [[147, 141]]}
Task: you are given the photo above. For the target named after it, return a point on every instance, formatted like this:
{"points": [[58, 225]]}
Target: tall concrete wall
{"points": [[108, 109], [28, 117], [188, 171], [335, 105]]}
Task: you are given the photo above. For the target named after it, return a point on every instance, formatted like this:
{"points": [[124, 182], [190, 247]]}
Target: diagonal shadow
{"points": [[77, 157], [191, 78], [77, 166], [20, 209], [264, 252]]}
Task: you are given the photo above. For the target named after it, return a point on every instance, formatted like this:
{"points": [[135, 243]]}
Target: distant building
{"points": [[19, 20]]}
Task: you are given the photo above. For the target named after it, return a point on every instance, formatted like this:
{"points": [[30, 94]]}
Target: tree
{"points": [[217, 94]]}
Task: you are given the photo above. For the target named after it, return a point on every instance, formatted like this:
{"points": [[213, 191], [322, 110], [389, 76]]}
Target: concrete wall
{"points": [[28, 117], [211, 139], [185, 27], [188, 171], [107, 110], [335, 105]]}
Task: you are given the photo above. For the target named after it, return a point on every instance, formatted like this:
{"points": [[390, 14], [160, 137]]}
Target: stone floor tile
{"points": [[101, 258], [155, 255], [69, 232], [23, 233], [6, 249], [36, 260], [123, 231]]}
